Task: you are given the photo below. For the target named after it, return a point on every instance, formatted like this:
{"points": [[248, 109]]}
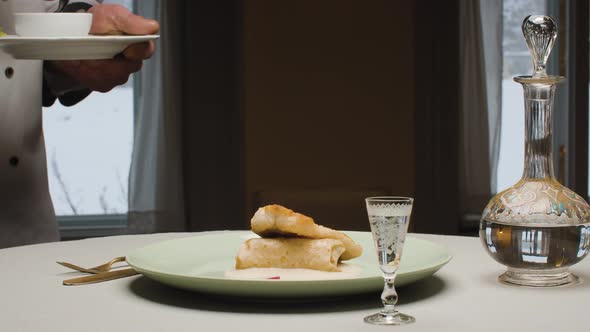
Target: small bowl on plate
{"points": [[52, 24]]}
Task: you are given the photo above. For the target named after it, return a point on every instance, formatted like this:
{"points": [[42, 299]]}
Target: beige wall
{"points": [[328, 105]]}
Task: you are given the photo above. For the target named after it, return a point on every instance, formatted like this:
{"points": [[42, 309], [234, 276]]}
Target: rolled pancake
{"points": [[278, 221], [322, 254]]}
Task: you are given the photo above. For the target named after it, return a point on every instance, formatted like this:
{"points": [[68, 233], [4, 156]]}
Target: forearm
{"points": [[56, 84]]}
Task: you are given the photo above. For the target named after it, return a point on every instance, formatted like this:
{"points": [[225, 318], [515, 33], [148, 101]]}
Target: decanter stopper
{"points": [[540, 33]]}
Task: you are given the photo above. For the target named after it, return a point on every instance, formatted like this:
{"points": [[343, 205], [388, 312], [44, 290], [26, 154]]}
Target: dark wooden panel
{"points": [[437, 116], [328, 103], [578, 52], [212, 128]]}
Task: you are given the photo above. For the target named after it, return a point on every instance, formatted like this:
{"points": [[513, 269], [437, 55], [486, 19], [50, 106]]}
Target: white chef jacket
{"points": [[26, 210]]}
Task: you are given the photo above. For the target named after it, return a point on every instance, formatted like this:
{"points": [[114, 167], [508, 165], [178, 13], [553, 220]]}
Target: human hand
{"points": [[104, 75]]}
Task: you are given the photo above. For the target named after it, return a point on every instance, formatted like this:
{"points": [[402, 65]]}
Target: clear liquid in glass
{"points": [[389, 234], [528, 249]]}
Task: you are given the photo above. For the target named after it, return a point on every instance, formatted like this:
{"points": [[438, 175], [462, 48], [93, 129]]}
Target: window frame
{"points": [[96, 225]]}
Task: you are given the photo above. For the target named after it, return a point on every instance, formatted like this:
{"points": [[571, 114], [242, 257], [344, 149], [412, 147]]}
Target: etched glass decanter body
{"points": [[537, 228]]}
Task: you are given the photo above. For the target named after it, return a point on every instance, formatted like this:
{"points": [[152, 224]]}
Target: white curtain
{"points": [[481, 99], [155, 182]]}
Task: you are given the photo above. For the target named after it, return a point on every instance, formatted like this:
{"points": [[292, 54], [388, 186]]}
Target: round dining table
{"points": [[463, 296]]}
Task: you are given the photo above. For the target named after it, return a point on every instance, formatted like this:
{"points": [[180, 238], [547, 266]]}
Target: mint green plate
{"points": [[199, 263]]}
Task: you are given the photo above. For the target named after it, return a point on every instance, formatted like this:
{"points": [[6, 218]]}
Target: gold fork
{"points": [[94, 270]]}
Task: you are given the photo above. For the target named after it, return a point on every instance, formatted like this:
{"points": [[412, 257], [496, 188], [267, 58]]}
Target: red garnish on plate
{"points": [[274, 278]]}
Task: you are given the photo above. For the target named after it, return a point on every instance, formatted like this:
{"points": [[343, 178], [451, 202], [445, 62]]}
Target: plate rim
{"points": [[89, 38]]}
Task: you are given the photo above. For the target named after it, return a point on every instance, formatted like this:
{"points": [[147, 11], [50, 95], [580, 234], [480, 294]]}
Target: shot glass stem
{"points": [[389, 295]]}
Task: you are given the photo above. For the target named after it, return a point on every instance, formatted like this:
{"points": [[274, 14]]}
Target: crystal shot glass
{"points": [[389, 218]]}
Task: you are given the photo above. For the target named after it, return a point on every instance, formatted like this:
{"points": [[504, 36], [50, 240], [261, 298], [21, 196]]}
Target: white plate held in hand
{"points": [[69, 48]]}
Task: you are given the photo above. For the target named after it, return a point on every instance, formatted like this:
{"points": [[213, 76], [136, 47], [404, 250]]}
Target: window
{"points": [[517, 61], [89, 150], [565, 60]]}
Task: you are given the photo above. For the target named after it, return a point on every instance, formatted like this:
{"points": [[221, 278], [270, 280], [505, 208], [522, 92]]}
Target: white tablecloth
{"points": [[463, 296]]}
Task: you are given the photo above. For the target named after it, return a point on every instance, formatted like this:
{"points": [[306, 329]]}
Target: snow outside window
{"points": [[89, 151]]}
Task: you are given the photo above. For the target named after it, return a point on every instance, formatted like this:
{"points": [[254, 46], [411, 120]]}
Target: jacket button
{"points": [[9, 72], [13, 161]]}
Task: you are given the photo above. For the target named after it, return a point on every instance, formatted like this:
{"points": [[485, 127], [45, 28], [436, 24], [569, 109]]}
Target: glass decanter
{"points": [[537, 228]]}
